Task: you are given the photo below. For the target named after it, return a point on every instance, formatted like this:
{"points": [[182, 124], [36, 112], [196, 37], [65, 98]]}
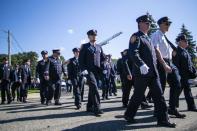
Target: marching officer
{"points": [[120, 69], [74, 74], [143, 56], [112, 88], [90, 59], [5, 71], [40, 75], [53, 73], [16, 82], [128, 79], [183, 62], [106, 78], [25, 72], [167, 71]]}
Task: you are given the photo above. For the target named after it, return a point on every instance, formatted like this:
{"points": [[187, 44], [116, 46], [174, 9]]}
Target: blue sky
{"points": [[51, 24]]}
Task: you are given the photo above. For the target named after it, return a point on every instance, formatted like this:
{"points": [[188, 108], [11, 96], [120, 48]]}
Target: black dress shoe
{"points": [[42, 102], [146, 106], [194, 110], [24, 100], [98, 112], [176, 113], [89, 110], [58, 103], [115, 94], [48, 102], [150, 100], [166, 124], [124, 106], [130, 120], [78, 107], [107, 98], [103, 98], [10, 101]]}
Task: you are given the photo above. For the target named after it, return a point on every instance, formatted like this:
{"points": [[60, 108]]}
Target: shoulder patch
{"points": [[174, 53], [133, 39]]}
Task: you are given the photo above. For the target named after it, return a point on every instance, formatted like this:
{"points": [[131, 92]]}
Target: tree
{"points": [[153, 26], [20, 57], [192, 44]]}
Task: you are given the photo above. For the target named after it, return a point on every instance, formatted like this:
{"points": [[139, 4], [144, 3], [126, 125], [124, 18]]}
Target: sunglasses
{"points": [[167, 24], [147, 23]]}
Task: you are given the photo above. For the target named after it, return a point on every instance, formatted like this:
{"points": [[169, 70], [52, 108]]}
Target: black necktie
{"points": [[170, 43]]}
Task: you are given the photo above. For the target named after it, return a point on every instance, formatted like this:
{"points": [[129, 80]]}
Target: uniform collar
{"points": [[160, 32], [182, 48], [92, 44]]}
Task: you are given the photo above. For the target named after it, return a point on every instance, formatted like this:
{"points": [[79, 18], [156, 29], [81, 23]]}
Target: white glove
{"points": [[85, 72], [105, 72], [144, 69], [69, 81], [38, 80]]}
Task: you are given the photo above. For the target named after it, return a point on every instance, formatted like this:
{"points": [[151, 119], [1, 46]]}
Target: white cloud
{"points": [[70, 31]]}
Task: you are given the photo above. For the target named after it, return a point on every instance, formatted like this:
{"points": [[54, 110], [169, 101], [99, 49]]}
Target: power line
{"points": [[18, 45]]}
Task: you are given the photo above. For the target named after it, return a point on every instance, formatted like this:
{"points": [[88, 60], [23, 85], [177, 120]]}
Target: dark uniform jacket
{"points": [[25, 72], [91, 58], [5, 72], [15, 75], [141, 51], [183, 62], [119, 66], [73, 68], [107, 67], [41, 68], [55, 69]]}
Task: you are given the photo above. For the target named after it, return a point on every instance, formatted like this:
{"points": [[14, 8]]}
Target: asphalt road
{"points": [[34, 116]]}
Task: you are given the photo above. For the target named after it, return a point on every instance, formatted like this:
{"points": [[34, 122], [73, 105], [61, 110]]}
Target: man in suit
{"points": [[143, 56], [5, 71], [187, 71], [53, 73], [90, 59], [112, 88], [16, 82], [40, 73], [74, 74], [25, 72]]}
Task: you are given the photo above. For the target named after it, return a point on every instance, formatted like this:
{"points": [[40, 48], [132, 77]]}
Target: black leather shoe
{"points": [[78, 107], [10, 101], [48, 102], [176, 113], [24, 100], [194, 110], [146, 106], [150, 100], [98, 113], [130, 120], [42, 102], [89, 110], [107, 98], [166, 124], [58, 103]]}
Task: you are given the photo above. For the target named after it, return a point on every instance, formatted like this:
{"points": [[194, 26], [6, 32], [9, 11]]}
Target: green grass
{"points": [[33, 91]]}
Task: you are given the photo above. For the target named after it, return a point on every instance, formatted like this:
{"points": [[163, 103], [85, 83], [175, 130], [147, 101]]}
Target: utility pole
{"points": [[9, 47]]}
